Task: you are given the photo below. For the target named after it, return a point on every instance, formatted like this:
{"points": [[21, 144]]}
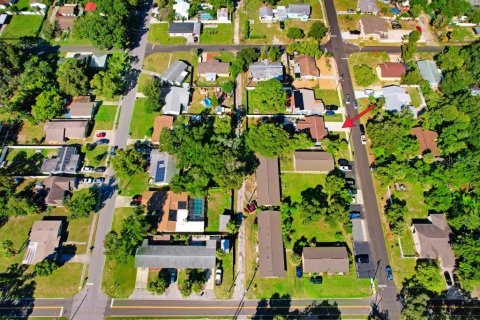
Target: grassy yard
{"points": [[344, 5], [415, 95], [337, 117], [329, 97], [219, 202], [62, 283], [23, 5], [130, 186], [78, 229], [159, 61], [96, 157], [27, 161], [31, 133], [143, 80], [286, 163], [22, 26], [225, 290], [370, 59], [119, 279], [158, 34], [222, 34], [343, 152], [142, 120], [294, 183], [349, 22], [104, 117]]}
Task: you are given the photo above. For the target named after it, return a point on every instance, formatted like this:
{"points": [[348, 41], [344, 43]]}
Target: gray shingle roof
{"points": [[176, 100], [176, 73], [184, 27], [268, 182], [264, 70], [429, 71], [395, 98], [67, 161], [368, 5], [270, 245], [299, 9]]}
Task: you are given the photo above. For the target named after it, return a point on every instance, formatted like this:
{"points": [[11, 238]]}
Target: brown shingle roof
{"points": [[81, 107], [173, 202], [325, 259], [427, 140], [308, 66], [315, 125], [64, 23], [313, 161], [66, 10], [374, 25], [57, 186], [392, 69], [160, 123], [212, 66], [58, 131], [270, 245], [268, 182], [43, 241]]}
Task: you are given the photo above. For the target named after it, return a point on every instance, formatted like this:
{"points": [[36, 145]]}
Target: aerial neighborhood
{"points": [[240, 159]]}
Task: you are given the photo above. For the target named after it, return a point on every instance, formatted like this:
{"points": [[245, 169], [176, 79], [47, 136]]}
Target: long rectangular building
{"points": [[270, 245]]}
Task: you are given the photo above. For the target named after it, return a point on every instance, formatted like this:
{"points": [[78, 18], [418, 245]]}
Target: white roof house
{"points": [[265, 70], [176, 73], [368, 6], [223, 15], [177, 99], [429, 71], [397, 98], [181, 8]]}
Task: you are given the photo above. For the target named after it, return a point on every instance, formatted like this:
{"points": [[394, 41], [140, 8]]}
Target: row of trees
{"points": [[317, 31]]}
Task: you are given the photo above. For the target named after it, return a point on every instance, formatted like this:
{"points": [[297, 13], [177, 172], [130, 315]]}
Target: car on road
{"points": [[362, 128], [354, 215], [355, 104], [101, 134], [113, 150], [316, 280], [347, 99], [218, 277], [87, 169], [363, 139], [173, 276], [99, 180], [330, 113], [86, 180], [350, 181], [102, 141], [100, 169], [346, 168], [388, 269], [299, 271], [361, 258], [448, 278]]}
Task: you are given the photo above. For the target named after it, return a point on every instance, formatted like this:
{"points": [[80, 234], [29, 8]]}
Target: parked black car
{"points": [[361, 258], [100, 169]]}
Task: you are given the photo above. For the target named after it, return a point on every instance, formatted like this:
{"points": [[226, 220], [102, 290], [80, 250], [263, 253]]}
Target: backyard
{"points": [[158, 34], [415, 95], [119, 279], [221, 33], [219, 203], [31, 133], [27, 161], [294, 183], [160, 61], [104, 117], [142, 120], [22, 26], [225, 290], [370, 59], [329, 97], [96, 157], [344, 5]]}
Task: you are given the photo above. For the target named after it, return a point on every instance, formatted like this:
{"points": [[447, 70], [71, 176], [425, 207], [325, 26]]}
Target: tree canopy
{"points": [[317, 31], [49, 104], [268, 97], [72, 78], [364, 75]]}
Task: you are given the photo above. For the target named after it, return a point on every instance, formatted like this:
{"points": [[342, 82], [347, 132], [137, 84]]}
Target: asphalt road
{"points": [[388, 292], [233, 308]]}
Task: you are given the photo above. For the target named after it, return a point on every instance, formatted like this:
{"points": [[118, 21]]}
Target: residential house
{"points": [[303, 101], [64, 23], [81, 107], [298, 11], [367, 6], [176, 73], [313, 161], [4, 19], [180, 213], [373, 27], [6, 3], [268, 182], [391, 71], [44, 241], [160, 123], [265, 70], [305, 68], [68, 10], [223, 15], [66, 161], [476, 30], [57, 187], [176, 256], [98, 62], [162, 168], [430, 72], [475, 4], [212, 69], [265, 14], [432, 240], [314, 126], [189, 30], [280, 14], [58, 131], [176, 101], [475, 89], [427, 141], [271, 254], [38, 5], [181, 8], [396, 98], [331, 260]]}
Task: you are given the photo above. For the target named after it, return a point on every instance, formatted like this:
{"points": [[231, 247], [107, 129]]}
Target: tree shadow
{"points": [[17, 288]]}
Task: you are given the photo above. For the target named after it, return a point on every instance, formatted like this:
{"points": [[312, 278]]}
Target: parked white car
{"points": [[218, 277]]}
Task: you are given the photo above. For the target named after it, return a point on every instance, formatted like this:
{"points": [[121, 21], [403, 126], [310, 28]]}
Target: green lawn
{"points": [[344, 5], [219, 202], [23, 5], [225, 290], [349, 22], [119, 279], [294, 183], [371, 59], [143, 79], [31, 133], [159, 61], [329, 97], [222, 34], [335, 118], [96, 157], [343, 152], [415, 95], [78, 229], [27, 161], [104, 117], [22, 26], [62, 283], [158, 34], [286, 163], [142, 120], [130, 186]]}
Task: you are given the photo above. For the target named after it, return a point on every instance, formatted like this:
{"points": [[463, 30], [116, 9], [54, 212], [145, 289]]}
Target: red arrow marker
{"points": [[350, 122]]}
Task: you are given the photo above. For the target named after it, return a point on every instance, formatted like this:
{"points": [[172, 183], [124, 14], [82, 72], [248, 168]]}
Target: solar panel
{"points": [[160, 172]]}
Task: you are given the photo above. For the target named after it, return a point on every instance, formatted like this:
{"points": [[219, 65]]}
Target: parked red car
{"points": [[101, 134], [419, 29]]}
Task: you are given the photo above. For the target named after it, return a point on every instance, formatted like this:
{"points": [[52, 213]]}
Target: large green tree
{"points": [[72, 78], [268, 97], [317, 31], [49, 104], [128, 162], [364, 75], [83, 204]]}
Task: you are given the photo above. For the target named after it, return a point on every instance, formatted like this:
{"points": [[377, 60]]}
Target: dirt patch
{"points": [[328, 84], [326, 66]]}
